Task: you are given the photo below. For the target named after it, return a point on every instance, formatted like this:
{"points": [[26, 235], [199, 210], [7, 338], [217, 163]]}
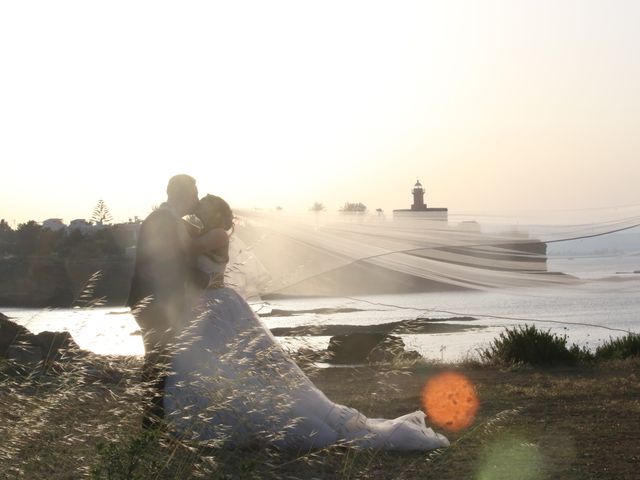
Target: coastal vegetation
{"points": [[317, 207], [40, 267], [32, 239], [529, 345], [354, 207], [619, 348]]}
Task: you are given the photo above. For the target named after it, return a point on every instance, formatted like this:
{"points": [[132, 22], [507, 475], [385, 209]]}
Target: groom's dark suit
{"points": [[161, 276], [161, 268]]}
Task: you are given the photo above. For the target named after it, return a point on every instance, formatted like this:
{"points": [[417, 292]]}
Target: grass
{"points": [[82, 420], [619, 348]]}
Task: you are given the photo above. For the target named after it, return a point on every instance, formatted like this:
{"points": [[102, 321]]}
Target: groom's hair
{"points": [[179, 185]]}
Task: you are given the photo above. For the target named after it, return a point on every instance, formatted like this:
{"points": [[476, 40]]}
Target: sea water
{"points": [[585, 319]]}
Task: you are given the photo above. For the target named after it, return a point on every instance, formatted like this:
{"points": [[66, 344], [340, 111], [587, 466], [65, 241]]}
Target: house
{"points": [[81, 225], [54, 224]]}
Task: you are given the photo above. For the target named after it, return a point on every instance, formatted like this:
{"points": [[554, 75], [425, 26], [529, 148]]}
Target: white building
{"points": [[80, 224], [54, 224]]}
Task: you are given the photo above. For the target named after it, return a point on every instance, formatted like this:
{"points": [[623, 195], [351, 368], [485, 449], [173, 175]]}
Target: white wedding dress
{"points": [[233, 385]]}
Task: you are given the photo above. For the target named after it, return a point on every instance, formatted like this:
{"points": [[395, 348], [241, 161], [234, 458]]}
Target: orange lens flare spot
{"points": [[450, 401]]}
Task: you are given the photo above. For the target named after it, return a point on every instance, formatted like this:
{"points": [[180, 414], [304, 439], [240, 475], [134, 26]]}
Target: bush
{"points": [[619, 348], [531, 346], [581, 354]]}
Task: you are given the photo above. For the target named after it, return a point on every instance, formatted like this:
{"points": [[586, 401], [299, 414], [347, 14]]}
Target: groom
{"points": [[161, 276]]}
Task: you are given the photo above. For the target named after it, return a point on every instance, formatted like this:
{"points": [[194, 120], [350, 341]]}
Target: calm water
{"points": [[613, 304]]}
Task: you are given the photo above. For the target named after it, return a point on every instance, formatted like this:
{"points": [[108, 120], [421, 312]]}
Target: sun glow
{"points": [[287, 103]]}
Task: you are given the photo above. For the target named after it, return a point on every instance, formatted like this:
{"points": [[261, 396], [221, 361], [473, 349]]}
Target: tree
{"points": [[7, 237], [317, 207], [101, 214], [5, 227], [28, 237], [354, 208]]}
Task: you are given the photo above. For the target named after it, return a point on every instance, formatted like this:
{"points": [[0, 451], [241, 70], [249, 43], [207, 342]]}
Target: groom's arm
{"points": [[162, 258]]}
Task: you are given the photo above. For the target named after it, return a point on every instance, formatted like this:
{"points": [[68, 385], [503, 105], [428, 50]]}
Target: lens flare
{"points": [[450, 401], [514, 458]]}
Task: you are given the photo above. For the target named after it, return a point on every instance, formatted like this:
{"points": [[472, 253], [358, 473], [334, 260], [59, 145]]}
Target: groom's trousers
{"points": [[157, 337]]}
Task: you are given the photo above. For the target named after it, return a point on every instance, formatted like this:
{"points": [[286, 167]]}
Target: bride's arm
{"points": [[211, 240], [191, 229]]}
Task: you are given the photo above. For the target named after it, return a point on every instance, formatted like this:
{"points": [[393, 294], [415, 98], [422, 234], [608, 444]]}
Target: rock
{"points": [[354, 347], [307, 355], [22, 346], [53, 344], [368, 348], [10, 333], [380, 355], [24, 354], [391, 349]]}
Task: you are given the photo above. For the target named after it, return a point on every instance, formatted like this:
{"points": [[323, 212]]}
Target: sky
{"points": [[495, 106]]}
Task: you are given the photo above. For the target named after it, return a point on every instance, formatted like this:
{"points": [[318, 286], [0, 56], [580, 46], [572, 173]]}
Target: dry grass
{"points": [[570, 423]]}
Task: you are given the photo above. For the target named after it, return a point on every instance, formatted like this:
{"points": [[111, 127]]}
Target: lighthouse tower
{"points": [[419, 208], [418, 197]]}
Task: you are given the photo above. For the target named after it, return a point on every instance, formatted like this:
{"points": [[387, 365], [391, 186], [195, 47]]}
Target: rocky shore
{"points": [[354, 347], [24, 348]]}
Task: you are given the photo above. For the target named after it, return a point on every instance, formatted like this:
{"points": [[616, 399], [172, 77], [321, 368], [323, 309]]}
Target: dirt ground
{"points": [[562, 423]]}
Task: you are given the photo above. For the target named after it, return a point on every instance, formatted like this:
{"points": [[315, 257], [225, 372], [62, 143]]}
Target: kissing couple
{"points": [[216, 372]]}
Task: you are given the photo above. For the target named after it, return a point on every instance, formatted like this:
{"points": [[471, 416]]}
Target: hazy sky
{"points": [[493, 105]]}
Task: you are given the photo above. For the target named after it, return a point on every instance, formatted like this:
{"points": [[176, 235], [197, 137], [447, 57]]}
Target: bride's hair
{"points": [[214, 212]]}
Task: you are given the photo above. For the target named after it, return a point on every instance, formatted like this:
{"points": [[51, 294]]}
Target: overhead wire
{"points": [[484, 315]]}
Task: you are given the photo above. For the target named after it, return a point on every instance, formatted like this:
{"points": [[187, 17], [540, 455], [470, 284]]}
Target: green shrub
{"points": [[619, 348], [581, 354], [527, 344]]}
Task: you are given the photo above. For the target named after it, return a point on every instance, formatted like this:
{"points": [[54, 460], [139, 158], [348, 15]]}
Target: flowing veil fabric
{"points": [[300, 255]]}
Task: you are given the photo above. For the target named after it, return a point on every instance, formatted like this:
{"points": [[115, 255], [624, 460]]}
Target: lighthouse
{"points": [[419, 207], [418, 197]]}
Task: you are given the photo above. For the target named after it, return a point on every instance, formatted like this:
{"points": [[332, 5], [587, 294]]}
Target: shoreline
{"points": [[451, 339]]}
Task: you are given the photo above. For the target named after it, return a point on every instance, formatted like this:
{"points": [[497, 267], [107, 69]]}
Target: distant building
{"points": [[80, 224], [419, 208], [54, 224]]}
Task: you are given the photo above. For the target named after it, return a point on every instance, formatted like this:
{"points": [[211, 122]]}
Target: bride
{"points": [[233, 385]]}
